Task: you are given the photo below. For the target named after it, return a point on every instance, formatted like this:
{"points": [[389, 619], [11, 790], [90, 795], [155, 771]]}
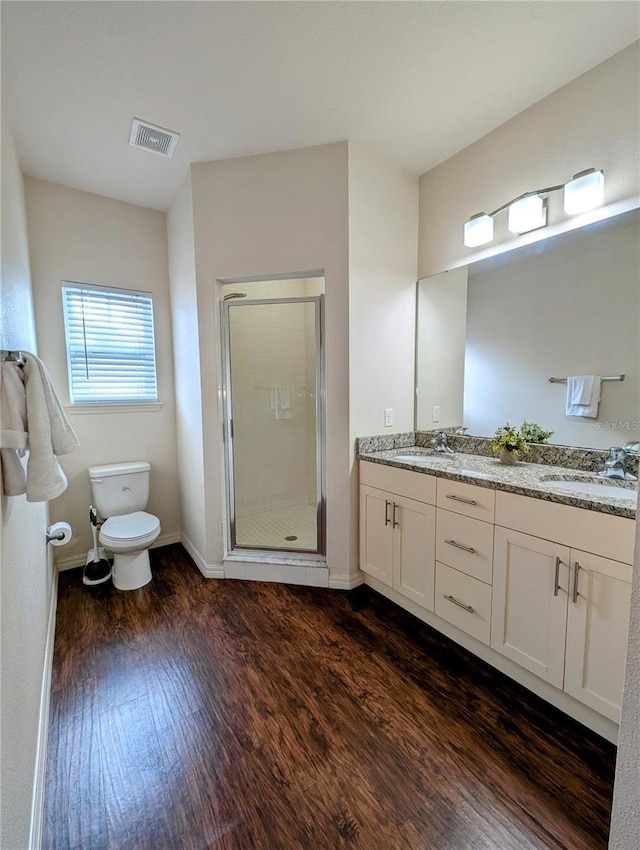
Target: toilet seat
{"points": [[129, 528]]}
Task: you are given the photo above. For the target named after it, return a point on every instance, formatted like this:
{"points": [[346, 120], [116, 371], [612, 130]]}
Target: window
{"points": [[110, 346]]}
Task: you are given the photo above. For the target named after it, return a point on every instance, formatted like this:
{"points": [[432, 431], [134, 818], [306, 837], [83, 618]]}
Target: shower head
{"points": [[234, 295]]}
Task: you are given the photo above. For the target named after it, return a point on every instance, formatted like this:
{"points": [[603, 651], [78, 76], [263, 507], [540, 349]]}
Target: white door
{"points": [[529, 612], [414, 550], [597, 630], [376, 533]]}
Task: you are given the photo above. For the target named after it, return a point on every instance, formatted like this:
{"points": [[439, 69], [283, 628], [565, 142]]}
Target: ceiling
{"points": [[417, 81]]}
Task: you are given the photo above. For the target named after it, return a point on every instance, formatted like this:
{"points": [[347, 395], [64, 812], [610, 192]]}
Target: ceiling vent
{"points": [[151, 138]]}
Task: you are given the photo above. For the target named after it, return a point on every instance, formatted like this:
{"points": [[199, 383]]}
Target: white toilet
{"points": [[120, 493]]}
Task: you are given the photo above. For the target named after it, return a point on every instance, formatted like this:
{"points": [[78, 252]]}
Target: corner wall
{"points": [[26, 577], [79, 236], [267, 216], [187, 371]]}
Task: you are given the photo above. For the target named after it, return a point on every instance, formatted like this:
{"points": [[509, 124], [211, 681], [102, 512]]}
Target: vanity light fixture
{"points": [[585, 192], [529, 211]]}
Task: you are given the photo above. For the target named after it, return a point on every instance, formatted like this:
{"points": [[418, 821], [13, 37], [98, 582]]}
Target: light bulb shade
{"points": [[584, 192], [478, 230], [526, 214]]}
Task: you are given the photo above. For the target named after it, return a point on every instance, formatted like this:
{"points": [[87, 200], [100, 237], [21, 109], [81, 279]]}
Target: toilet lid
{"points": [[130, 526]]}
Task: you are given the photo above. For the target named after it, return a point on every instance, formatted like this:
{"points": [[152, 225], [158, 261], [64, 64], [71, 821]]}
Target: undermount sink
{"points": [[423, 458], [594, 488]]}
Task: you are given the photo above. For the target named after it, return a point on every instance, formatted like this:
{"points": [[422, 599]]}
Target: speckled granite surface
{"points": [[525, 479], [569, 457]]}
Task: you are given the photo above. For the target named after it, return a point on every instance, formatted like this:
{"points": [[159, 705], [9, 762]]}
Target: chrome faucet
{"points": [[439, 443], [615, 465]]}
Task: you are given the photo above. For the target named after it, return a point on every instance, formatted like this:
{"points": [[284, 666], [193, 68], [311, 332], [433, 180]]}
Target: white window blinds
{"points": [[110, 344]]}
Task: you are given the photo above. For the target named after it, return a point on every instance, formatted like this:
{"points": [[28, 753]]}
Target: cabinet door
{"points": [[529, 611], [376, 533], [414, 550], [597, 630]]}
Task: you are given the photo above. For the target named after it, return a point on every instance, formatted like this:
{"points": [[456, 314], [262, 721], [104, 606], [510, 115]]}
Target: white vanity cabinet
{"points": [[397, 530], [559, 611]]}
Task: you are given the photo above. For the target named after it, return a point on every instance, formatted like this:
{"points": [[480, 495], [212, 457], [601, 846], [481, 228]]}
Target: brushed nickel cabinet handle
{"points": [[556, 578], [460, 499], [396, 523], [459, 604], [576, 573], [461, 546], [387, 505]]}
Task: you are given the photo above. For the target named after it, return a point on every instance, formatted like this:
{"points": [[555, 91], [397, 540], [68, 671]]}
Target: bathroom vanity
{"points": [[532, 578]]}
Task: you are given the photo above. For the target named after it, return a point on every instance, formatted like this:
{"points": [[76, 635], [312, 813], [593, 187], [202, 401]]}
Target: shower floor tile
{"points": [[272, 528]]}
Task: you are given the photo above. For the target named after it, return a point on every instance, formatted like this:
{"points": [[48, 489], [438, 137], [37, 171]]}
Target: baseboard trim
{"points": [[70, 562], [345, 582], [37, 802], [207, 570]]}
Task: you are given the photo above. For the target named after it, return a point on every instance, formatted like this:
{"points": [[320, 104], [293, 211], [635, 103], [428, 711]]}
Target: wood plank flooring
{"points": [[196, 714]]}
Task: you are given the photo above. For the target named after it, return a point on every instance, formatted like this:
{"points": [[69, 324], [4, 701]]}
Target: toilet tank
{"points": [[120, 488]]}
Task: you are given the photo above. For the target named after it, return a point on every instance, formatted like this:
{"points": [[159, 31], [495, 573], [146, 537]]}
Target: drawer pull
{"points": [[556, 578], [396, 523], [387, 505], [460, 499], [575, 594], [459, 604], [461, 546]]}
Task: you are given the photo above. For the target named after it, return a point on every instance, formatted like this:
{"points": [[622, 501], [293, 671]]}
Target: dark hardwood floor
{"points": [[196, 713]]}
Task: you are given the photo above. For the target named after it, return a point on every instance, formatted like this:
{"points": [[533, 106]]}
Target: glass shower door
{"points": [[274, 424]]}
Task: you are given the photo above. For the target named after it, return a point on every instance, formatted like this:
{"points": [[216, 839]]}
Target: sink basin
{"points": [[423, 458], [594, 488]]}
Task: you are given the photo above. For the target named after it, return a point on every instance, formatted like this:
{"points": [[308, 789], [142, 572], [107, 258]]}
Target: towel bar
{"points": [[607, 378]]}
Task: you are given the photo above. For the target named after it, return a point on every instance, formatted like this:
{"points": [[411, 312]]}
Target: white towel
{"points": [[13, 429], [50, 434], [281, 402], [583, 395]]}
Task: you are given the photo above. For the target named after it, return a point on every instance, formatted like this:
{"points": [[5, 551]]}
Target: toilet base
{"points": [[131, 570]]}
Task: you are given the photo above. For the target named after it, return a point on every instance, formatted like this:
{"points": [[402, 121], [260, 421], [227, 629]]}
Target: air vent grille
{"points": [[151, 138]]}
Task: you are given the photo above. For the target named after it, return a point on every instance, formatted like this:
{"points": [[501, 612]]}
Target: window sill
{"points": [[125, 407]]}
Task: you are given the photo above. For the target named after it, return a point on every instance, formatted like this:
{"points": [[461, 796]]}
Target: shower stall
{"points": [[273, 382]]}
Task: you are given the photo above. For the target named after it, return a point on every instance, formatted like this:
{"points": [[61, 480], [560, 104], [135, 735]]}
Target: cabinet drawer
{"points": [[472, 614], [465, 543], [413, 485], [591, 531], [467, 499]]}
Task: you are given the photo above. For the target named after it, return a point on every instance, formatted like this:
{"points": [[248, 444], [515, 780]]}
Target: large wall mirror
{"points": [[567, 305]]}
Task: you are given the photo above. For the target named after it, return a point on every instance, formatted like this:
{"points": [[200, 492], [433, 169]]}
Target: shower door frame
{"points": [[319, 553]]}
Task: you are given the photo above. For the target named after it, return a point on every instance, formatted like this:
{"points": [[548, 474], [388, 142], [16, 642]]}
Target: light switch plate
{"points": [[388, 417], [436, 413]]}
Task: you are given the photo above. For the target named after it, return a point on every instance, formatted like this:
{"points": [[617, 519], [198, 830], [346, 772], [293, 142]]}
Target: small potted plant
{"points": [[510, 443], [533, 433]]}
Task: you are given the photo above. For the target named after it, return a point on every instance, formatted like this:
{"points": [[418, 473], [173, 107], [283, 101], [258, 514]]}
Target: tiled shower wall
{"points": [[273, 359]]}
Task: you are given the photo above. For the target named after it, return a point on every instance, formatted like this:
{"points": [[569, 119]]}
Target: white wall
{"points": [[82, 237], [569, 307], [187, 371], [383, 229], [593, 121], [26, 573], [625, 820], [266, 216]]}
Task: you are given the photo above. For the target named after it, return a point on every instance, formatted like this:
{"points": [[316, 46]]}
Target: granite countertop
{"points": [[525, 479]]}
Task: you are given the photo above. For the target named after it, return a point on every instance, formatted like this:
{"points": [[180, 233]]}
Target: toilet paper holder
{"points": [[58, 534], [50, 536]]}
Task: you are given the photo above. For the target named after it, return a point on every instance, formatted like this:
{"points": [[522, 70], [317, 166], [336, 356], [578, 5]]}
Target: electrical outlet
{"points": [[388, 417], [436, 413]]}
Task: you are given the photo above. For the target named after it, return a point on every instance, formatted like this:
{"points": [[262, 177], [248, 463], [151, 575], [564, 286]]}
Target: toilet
{"points": [[120, 493]]}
